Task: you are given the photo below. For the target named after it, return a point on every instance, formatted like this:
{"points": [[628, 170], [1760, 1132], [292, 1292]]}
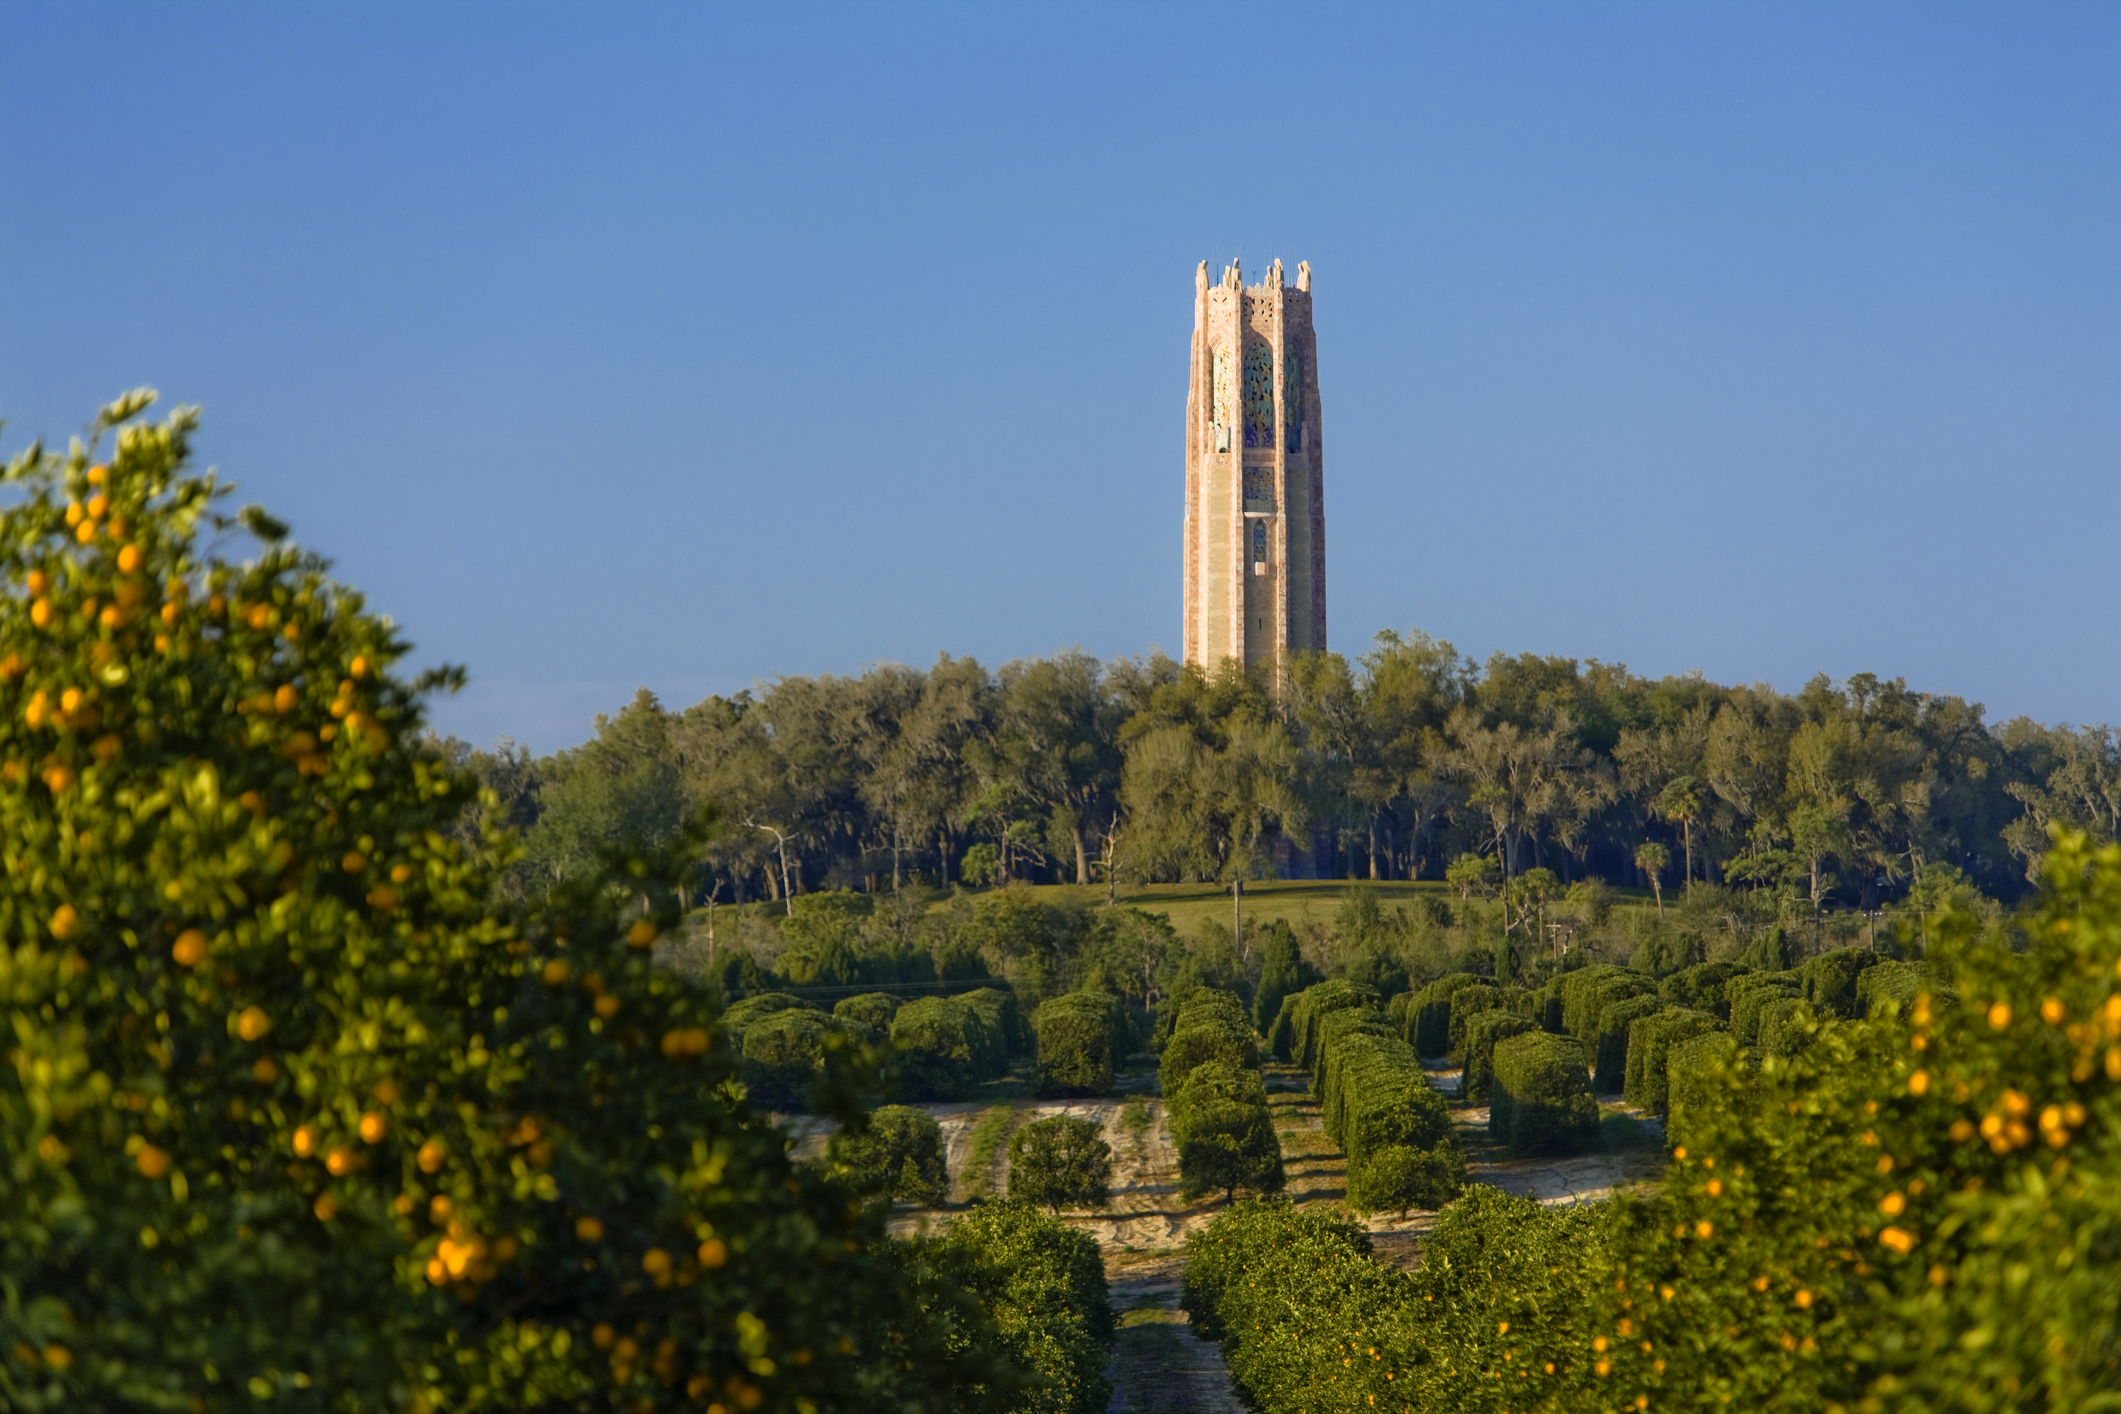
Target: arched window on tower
{"points": [[1259, 547]]}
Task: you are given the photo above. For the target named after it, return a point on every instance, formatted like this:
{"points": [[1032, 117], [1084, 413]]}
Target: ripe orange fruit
{"points": [[432, 1156], [253, 1023], [129, 559], [65, 922], [555, 972], [283, 698], [656, 1263], [607, 1006], [641, 934], [341, 1161], [40, 613], [358, 667], [152, 1162], [326, 1207], [86, 532], [439, 1209], [305, 1142], [373, 1128], [589, 1229], [37, 581], [713, 1252], [190, 949], [353, 863], [265, 1070]]}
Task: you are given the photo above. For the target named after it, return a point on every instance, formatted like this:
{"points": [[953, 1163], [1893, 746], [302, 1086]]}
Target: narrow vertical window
{"points": [[1259, 542]]}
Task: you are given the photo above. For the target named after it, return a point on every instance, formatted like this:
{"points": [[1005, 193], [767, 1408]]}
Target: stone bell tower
{"points": [[1255, 488]]}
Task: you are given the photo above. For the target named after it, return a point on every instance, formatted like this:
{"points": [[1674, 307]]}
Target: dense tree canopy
{"points": [[1389, 765]]}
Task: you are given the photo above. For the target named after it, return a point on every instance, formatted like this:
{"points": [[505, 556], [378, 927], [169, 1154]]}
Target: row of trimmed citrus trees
{"points": [[292, 1112], [1908, 1205]]}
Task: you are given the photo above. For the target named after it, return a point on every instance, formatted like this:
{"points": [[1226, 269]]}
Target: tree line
{"points": [[1391, 765]]}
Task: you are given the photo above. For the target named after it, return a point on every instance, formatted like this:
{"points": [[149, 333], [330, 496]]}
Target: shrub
{"points": [[1080, 1040], [740, 1015], [868, 1016], [1312, 1005], [1300, 1306], [1281, 1035], [1005, 1022], [898, 1153], [1281, 976], [1696, 1070], [944, 1049], [1467, 1003], [1374, 1095], [1399, 1177], [1043, 1284], [1830, 980], [1570, 985], [1785, 1028], [1224, 1131], [1337, 1026], [1429, 1015], [1482, 1032], [1208, 1041], [1203, 1005], [1649, 1039], [1541, 1101], [1894, 986], [1588, 1000], [295, 1111], [1611, 1077], [1701, 987], [1750, 993], [1060, 1162], [784, 1056]]}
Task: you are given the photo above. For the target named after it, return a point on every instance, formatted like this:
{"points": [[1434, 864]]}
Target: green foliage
{"points": [[1472, 875], [1541, 1102], [1308, 1008], [1081, 1037], [1336, 1026], [1373, 1095], [1577, 1017], [1786, 1026], [785, 1054], [1224, 1132], [1614, 1027], [1429, 1017], [898, 1153], [1650, 1039], [1060, 1162], [294, 1112], [945, 1049], [1896, 985], [868, 1016], [1830, 980], [1043, 1284], [1004, 1018], [1281, 974], [1482, 1032], [1467, 1003], [1701, 987], [1770, 951], [1749, 993], [1211, 1040], [1308, 1320], [1694, 1069]]}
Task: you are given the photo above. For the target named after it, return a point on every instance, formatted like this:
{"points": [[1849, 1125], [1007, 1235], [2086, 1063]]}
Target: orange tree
{"points": [[290, 1113], [1916, 1211]]}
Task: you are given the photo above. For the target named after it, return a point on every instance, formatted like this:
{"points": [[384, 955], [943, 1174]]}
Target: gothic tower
{"points": [[1255, 487]]}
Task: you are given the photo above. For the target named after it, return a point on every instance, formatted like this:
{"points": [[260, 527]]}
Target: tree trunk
{"points": [[1373, 844], [1082, 854]]}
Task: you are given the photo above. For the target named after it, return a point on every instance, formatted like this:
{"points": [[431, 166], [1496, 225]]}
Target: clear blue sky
{"points": [[687, 346]]}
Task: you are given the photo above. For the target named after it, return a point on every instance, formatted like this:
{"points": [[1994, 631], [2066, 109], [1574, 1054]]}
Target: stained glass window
{"points": [[1259, 542], [1259, 488]]}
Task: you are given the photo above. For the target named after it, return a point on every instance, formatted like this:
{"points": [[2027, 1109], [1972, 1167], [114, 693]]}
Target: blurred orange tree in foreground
{"points": [[289, 1113]]}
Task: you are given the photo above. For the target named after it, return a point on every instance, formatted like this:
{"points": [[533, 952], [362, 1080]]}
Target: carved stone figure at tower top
{"points": [[1255, 537]]}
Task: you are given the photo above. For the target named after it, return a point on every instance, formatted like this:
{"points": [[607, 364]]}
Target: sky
{"points": [[687, 346]]}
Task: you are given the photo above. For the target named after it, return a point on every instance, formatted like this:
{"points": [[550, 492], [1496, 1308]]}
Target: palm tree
{"points": [[1681, 802], [1651, 858]]}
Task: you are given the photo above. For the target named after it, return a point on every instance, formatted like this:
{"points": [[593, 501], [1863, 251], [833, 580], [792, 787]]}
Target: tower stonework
{"points": [[1255, 559]]}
